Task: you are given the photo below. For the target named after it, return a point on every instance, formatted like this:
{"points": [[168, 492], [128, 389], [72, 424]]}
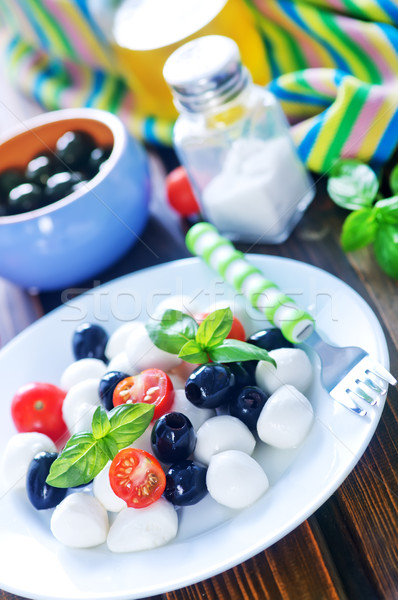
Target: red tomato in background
{"points": [[151, 386], [38, 407], [137, 477], [237, 330], [180, 193]]}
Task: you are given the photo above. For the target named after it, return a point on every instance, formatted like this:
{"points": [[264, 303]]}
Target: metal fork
{"points": [[349, 374]]}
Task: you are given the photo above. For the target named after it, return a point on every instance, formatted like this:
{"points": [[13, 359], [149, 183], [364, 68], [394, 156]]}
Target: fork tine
{"points": [[362, 391], [353, 406], [382, 372], [376, 383]]}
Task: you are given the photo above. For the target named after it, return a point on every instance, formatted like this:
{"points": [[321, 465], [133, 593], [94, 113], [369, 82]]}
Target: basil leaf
{"points": [[215, 328], [128, 422], [386, 248], [79, 462], [235, 350], [192, 352], [359, 229], [387, 210], [108, 446], [352, 184], [173, 330], [100, 423], [393, 180]]}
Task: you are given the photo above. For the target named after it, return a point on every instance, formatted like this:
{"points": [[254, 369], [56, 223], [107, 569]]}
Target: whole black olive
{"points": [[40, 168], [9, 179], [60, 185], [25, 197], [73, 148], [41, 494]]}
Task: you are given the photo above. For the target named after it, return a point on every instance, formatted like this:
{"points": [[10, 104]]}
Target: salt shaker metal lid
{"points": [[205, 72]]}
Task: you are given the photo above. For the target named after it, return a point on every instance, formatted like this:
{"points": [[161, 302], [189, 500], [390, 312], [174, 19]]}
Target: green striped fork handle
{"points": [[203, 240]]}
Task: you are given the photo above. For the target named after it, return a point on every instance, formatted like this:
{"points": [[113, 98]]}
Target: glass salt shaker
{"points": [[234, 141]]}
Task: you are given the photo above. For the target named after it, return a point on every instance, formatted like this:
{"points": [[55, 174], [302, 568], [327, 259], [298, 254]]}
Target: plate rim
{"points": [[255, 548]]}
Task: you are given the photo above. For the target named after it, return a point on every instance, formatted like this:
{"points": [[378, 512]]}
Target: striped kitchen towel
{"points": [[333, 64]]}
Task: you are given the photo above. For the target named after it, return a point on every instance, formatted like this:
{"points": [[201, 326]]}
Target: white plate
{"points": [[211, 538]]}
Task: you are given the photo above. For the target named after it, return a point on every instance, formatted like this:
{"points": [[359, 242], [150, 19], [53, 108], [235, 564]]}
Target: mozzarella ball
{"points": [[144, 441], [121, 363], [86, 368], [286, 418], [293, 367], [117, 341], [136, 529], [222, 433], [235, 479], [143, 354], [185, 304], [80, 521], [196, 415], [184, 369], [104, 493], [19, 453], [80, 404], [177, 381]]}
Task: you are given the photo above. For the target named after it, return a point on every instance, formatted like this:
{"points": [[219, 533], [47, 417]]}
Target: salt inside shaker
{"points": [[234, 141]]}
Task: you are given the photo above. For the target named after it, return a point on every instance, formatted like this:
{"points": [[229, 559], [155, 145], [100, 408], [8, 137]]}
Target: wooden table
{"points": [[348, 549]]}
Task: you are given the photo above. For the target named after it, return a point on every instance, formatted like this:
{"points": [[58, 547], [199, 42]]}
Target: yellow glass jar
{"points": [[145, 33]]}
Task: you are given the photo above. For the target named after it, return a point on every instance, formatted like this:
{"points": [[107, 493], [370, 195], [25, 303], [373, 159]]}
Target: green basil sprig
{"points": [[86, 454], [393, 180], [354, 185], [179, 333]]}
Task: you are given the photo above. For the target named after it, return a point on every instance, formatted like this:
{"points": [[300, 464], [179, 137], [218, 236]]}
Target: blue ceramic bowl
{"points": [[77, 237]]}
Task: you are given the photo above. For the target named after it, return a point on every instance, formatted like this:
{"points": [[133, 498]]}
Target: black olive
{"points": [[73, 148]]}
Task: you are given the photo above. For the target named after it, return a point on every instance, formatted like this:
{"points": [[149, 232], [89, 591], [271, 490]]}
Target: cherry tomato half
{"points": [[137, 477], [38, 407], [151, 386], [237, 330], [180, 193]]}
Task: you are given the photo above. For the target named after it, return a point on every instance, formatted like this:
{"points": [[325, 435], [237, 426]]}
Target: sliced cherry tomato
{"points": [[180, 193], [137, 477], [38, 407], [237, 330], [151, 386]]}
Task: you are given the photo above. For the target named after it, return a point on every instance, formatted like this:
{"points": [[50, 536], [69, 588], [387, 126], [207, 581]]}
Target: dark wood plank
{"points": [[297, 567]]}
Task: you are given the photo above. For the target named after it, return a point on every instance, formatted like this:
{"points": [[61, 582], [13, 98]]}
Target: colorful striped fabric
{"points": [[333, 64]]}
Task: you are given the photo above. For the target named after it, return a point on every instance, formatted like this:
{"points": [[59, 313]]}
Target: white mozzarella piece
{"points": [[293, 367], [184, 369], [185, 304], [286, 418], [136, 529], [235, 479], [117, 341], [86, 368], [143, 354], [20, 450], [144, 441], [104, 493], [222, 433], [79, 405], [196, 415], [177, 381], [80, 521], [121, 363]]}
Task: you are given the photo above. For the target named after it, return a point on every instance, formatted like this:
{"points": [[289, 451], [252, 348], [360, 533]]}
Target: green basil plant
{"points": [[354, 185]]}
